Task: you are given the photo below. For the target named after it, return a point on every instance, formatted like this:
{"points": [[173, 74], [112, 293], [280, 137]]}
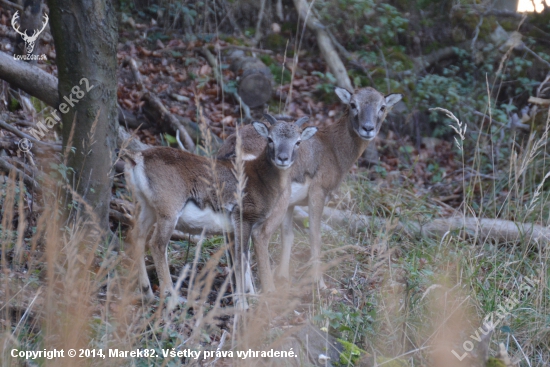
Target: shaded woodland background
{"points": [[429, 233]]}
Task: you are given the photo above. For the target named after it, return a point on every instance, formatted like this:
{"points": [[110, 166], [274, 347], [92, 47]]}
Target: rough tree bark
{"points": [[85, 36]]}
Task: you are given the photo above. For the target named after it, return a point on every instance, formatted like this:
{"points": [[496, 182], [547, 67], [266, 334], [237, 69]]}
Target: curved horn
{"points": [[302, 120], [272, 120]]}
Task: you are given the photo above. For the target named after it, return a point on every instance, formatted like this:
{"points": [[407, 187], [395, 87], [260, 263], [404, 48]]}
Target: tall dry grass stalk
{"points": [[66, 289]]}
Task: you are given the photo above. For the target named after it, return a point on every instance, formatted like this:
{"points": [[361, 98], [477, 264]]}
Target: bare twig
{"points": [[231, 17], [135, 72], [535, 55], [259, 34], [214, 64], [180, 144], [4, 125], [279, 10], [29, 181], [326, 45], [156, 104]]}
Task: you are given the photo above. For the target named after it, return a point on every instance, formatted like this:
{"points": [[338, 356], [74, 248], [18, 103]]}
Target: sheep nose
{"points": [[283, 158], [368, 128]]}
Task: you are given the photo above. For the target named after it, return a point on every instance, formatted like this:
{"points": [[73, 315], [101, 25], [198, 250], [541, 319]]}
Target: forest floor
{"points": [[391, 292]]}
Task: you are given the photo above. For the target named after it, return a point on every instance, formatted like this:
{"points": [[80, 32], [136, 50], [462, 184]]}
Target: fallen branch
{"points": [[539, 101], [135, 72], [192, 128], [326, 46], [4, 125], [426, 61], [155, 104], [33, 81], [30, 79], [12, 5], [27, 180], [258, 35], [120, 217], [482, 229]]}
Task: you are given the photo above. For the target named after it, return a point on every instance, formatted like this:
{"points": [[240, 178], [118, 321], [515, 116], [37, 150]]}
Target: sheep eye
{"points": [[270, 141], [383, 109], [298, 142], [353, 105]]}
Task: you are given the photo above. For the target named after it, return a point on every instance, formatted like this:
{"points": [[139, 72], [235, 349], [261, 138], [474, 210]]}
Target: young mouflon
{"points": [[172, 186], [323, 162]]}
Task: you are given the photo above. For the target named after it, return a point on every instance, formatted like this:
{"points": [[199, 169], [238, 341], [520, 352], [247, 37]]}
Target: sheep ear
{"points": [[302, 120], [272, 120], [308, 132], [261, 128], [343, 94], [392, 99]]}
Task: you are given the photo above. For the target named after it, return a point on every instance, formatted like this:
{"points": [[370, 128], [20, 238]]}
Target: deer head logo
{"points": [[29, 40]]}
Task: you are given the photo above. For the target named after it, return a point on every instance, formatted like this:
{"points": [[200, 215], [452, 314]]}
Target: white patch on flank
{"points": [[299, 191], [139, 180], [249, 157], [196, 219]]}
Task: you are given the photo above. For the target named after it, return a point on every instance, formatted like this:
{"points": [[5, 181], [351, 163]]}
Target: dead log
{"points": [[155, 109], [254, 79], [326, 46], [121, 211], [30, 79], [40, 84], [481, 229]]}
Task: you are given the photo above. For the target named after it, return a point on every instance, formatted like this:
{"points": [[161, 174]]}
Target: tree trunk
{"points": [[85, 35]]}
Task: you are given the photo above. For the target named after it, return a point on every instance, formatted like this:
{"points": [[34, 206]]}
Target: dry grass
{"points": [[394, 296]]}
